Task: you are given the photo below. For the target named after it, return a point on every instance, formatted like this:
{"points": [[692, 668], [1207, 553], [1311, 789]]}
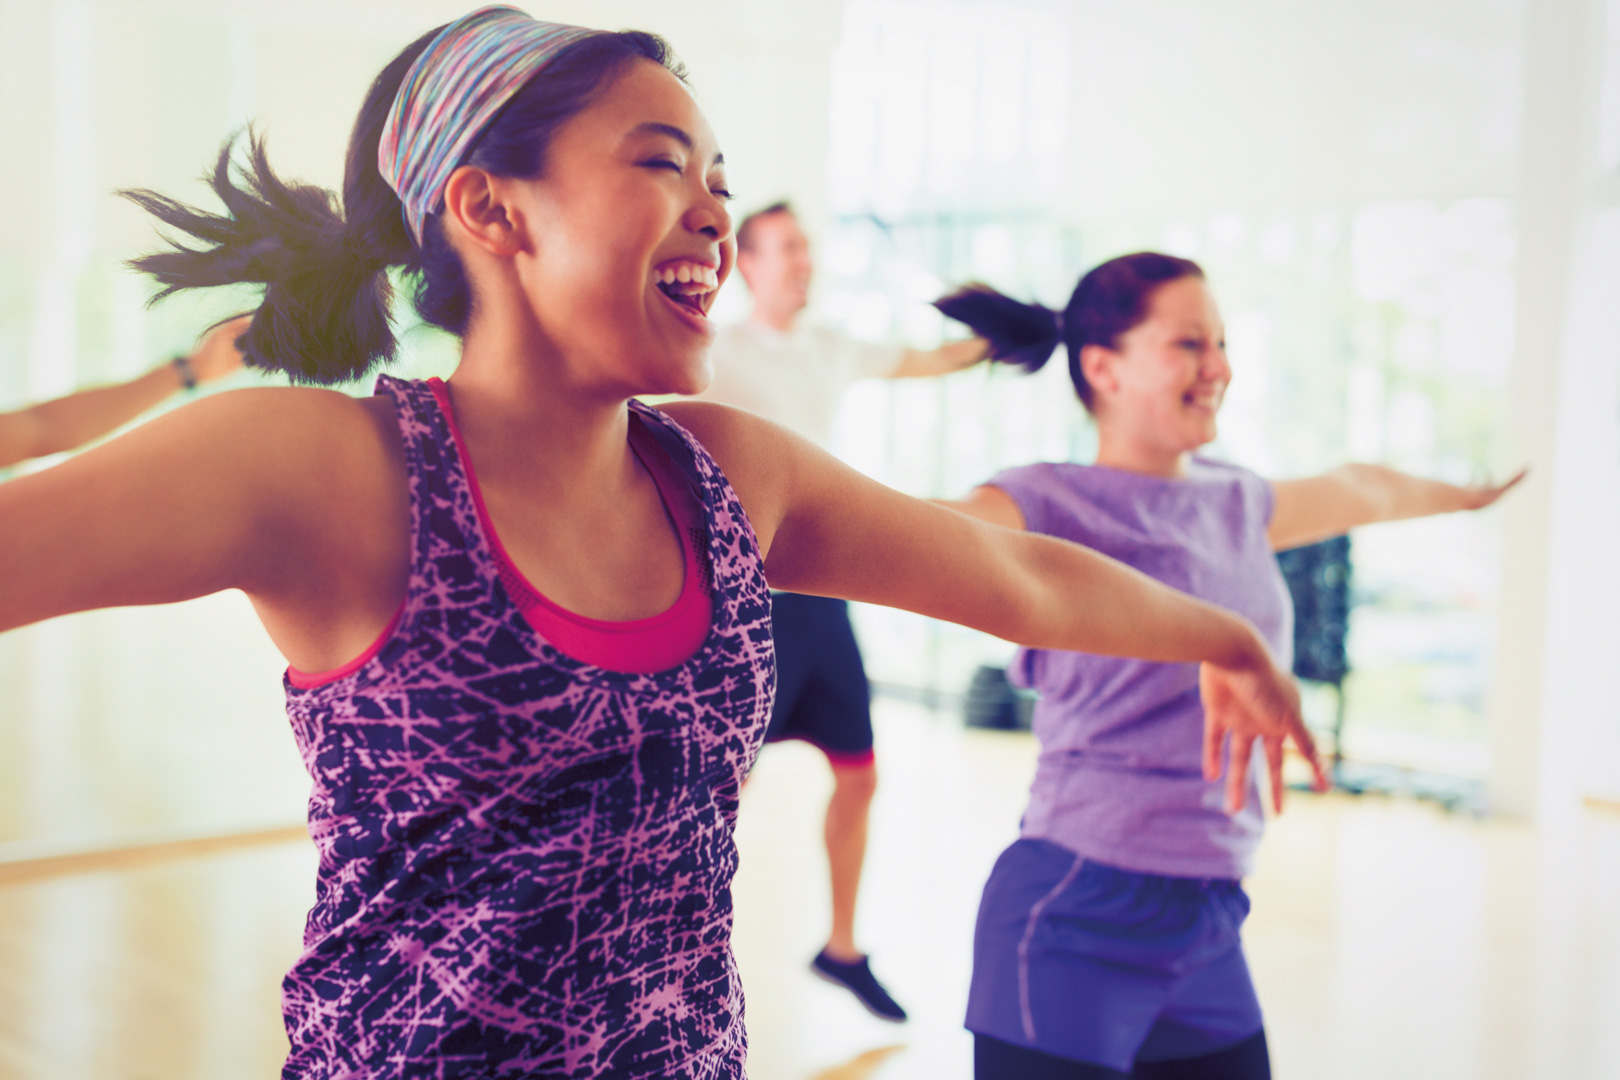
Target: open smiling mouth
{"points": [[689, 284]]}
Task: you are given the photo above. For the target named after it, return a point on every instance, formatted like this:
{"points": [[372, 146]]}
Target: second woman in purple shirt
{"points": [[1108, 940]]}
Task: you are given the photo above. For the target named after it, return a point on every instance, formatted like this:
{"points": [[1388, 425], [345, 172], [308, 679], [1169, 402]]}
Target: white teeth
{"points": [[687, 273]]}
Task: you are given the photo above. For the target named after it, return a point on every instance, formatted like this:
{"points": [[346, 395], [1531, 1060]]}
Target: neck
{"points": [[777, 318], [1119, 450], [526, 412]]}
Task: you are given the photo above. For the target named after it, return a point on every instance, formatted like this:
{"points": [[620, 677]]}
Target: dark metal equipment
{"points": [[1318, 577]]}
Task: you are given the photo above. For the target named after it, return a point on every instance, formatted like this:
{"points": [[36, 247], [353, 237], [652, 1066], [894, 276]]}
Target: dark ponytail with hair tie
{"points": [[1021, 334], [325, 316], [1108, 301]]}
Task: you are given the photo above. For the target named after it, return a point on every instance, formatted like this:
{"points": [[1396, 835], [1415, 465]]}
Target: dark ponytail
{"points": [[327, 298], [1018, 333], [1109, 300]]}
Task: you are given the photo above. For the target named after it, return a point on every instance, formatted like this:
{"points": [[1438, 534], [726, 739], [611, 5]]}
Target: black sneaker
{"points": [[857, 978]]}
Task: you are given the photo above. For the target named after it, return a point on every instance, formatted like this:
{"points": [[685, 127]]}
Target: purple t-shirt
{"points": [[1120, 778]]}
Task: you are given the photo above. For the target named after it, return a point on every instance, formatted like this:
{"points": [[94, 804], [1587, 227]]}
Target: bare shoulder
{"points": [[763, 461], [300, 430], [310, 409], [740, 441], [282, 451], [719, 426]]}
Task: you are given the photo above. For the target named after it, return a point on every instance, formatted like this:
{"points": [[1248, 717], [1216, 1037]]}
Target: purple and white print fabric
{"points": [[525, 860]]}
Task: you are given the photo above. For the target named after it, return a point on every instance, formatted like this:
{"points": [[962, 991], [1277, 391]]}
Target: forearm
{"points": [[924, 363], [1083, 601], [1315, 507], [1384, 494], [76, 419]]}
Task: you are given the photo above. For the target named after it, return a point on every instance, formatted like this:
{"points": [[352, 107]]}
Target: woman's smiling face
{"points": [[1165, 382], [627, 237]]}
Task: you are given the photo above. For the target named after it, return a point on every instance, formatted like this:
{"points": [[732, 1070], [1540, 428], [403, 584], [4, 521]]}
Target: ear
{"points": [[745, 267], [1097, 363], [475, 202], [728, 258]]}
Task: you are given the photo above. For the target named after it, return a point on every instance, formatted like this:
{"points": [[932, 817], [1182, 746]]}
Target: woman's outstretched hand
{"points": [[1479, 496], [1242, 705], [218, 355]]}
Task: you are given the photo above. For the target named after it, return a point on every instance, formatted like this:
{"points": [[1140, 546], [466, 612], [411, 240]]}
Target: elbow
{"points": [[1025, 614], [26, 436]]}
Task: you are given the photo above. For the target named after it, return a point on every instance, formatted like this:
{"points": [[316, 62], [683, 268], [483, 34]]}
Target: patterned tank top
{"points": [[525, 860]]}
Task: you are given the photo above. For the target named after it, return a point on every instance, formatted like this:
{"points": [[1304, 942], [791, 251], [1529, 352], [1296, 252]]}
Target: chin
{"points": [[683, 379]]}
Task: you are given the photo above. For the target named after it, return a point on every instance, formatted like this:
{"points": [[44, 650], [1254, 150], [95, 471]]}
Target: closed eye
{"points": [[722, 194], [663, 163]]}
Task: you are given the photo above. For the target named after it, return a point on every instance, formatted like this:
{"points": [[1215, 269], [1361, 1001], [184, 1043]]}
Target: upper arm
{"points": [[828, 530], [234, 491]]}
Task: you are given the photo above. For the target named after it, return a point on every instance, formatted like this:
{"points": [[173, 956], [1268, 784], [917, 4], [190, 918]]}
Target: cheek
{"points": [[1163, 384], [598, 234], [582, 275]]}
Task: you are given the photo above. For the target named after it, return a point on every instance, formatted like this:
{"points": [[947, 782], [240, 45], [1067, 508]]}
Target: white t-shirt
{"points": [[795, 379]]}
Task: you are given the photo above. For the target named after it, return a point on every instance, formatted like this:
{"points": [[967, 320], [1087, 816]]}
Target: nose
{"points": [[1216, 366], [710, 217]]}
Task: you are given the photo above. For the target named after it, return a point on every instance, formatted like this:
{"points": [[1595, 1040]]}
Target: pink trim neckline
{"points": [[625, 656]]}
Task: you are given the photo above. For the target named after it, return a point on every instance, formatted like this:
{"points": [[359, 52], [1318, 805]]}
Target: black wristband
{"points": [[183, 366]]}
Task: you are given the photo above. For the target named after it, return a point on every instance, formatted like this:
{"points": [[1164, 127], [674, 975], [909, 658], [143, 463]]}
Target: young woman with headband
{"points": [[1107, 942], [527, 617]]}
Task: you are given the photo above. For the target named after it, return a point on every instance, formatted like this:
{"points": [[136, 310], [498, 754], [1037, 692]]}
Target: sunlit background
{"points": [[1409, 213]]}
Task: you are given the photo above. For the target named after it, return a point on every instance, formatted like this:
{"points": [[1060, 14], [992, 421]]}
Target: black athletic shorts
{"points": [[821, 691]]}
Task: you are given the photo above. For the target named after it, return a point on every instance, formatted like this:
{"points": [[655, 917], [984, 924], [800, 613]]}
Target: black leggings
{"points": [[997, 1060]]}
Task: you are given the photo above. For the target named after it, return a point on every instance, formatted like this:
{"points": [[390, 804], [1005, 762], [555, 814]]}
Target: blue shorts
{"points": [[822, 695], [1092, 963]]}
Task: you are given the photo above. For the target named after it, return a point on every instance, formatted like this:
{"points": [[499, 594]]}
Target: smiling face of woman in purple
{"points": [[1157, 392]]}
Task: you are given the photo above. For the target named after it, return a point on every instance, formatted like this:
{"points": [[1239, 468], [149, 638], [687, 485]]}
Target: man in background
{"points": [[795, 373], [68, 422]]}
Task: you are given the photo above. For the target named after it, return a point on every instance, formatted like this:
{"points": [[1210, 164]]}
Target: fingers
{"points": [[1484, 496], [1511, 484], [1237, 771], [1307, 747], [1214, 730], [218, 354], [1274, 766]]}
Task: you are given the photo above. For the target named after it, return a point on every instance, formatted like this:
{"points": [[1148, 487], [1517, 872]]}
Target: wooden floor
{"points": [[1389, 940]]}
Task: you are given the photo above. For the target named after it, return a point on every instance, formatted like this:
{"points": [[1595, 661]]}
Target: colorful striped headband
{"points": [[452, 92]]}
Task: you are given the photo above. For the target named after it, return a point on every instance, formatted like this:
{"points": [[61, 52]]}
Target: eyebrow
{"points": [[673, 132]]}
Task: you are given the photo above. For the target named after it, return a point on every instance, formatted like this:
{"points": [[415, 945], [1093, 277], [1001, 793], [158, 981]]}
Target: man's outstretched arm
{"points": [[923, 363]]}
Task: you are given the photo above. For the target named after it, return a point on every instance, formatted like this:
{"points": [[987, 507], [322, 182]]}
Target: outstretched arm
{"points": [[955, 356], [294, 496], [1321, 506], [67, 422], [830, 531]]}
